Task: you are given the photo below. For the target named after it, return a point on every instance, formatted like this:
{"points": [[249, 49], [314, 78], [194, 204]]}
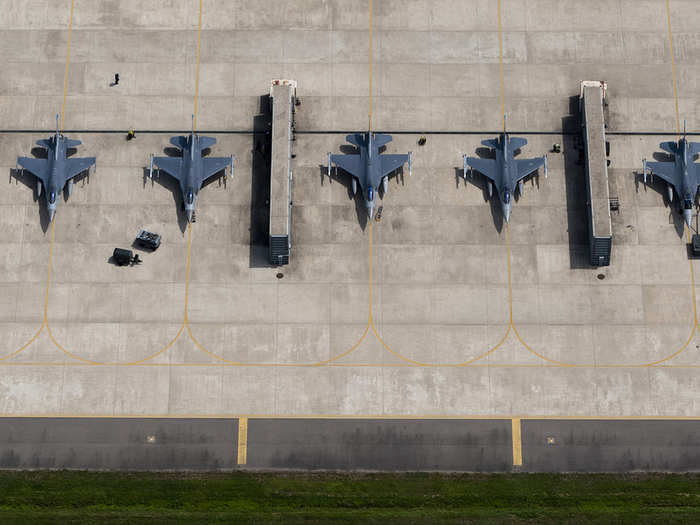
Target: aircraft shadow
{"points": [[172, 185], [660, 186], [343, 178]]}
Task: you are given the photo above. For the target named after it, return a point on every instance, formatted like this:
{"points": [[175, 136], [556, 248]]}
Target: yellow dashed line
{"points": [[517, 442], [242, 440]]}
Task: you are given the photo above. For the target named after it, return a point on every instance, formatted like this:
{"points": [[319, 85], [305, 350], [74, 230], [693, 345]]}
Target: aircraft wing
{"points": [[350, 163], [665, 171], [37, 167], [170, 165], [526, 167], [392, 162], [356, 139], [487, 167], [694, 147], [213, 165], [77, 166]]}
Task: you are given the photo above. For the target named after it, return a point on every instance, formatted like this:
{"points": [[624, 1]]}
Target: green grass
{"points": [[89, 497]]}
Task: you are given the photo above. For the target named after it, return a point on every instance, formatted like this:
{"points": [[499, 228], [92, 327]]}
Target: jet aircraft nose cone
{"points": [[370, 211], [688, 216], [189, 215], [51, 215]]}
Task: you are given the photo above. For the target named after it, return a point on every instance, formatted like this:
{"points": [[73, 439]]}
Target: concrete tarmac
{"points": [[461, 317]]}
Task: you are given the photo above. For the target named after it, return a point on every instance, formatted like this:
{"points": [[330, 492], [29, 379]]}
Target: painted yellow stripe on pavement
{"points": [[517, 443], [673, 69], [65, 75], [243, 441]]}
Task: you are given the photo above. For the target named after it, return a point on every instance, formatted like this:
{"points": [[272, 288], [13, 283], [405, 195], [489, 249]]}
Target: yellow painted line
{"points": [[65, 75], [673, 68], [517, 442], [460, 417], [407, 362], [242, 440], [370, 67], [500, 64], [696, 325], [196, 76]]}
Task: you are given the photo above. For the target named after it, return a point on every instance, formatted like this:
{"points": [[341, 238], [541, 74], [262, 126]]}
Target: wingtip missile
{"points": [[644, 170], [150, 170], [410, 164], [232, 158], [464, 167], [329, 164], [546, 175]]}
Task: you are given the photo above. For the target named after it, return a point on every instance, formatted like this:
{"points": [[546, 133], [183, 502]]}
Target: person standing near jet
{"points": [[53, 172], [369, 168]]}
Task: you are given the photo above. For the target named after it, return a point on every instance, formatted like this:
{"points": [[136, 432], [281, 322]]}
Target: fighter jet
{"points": [[191, 170], [369, 168], [682, 174], [55, 170], [505, 171]]}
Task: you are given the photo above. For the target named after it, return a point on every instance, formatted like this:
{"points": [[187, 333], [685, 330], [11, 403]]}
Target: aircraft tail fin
{"points": [[206, 142], [356, 139], [381, 139], [179, 142]]}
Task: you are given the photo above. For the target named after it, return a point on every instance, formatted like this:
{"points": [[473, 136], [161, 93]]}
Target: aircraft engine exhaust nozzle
{"points": [[688, 216]]}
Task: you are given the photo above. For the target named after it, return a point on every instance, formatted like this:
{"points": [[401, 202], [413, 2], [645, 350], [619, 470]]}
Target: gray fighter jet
{"points": [[369, 168], [55, 170], [191, 170], [505, 171], [682, 174]]}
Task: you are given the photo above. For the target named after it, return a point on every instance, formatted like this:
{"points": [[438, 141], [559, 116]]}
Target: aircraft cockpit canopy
{"points": [[190, 197], [52, 197], [506, 196], [688, 202], [370, 193]]}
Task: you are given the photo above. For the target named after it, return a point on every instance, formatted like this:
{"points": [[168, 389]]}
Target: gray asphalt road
{"points": [[350, 444]]}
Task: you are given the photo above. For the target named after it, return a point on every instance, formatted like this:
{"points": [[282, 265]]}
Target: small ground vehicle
{"points": [[124, 257], [148, 240]]}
